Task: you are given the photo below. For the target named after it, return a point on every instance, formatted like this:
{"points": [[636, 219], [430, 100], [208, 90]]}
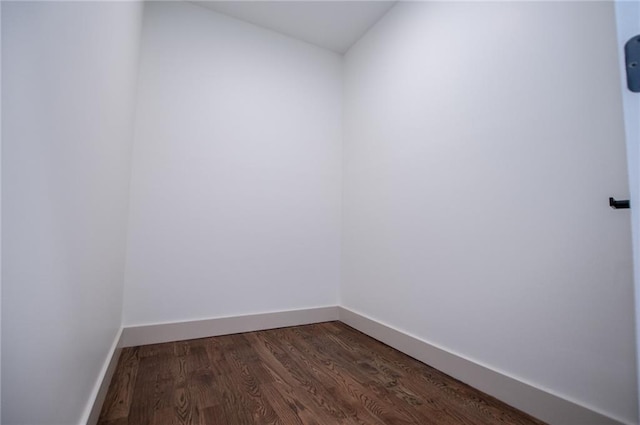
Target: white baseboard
{"points": [[99, 393], [541, 404], [167, 332]]}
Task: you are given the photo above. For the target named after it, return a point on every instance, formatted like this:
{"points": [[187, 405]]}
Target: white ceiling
{"points": [[334, 25]]}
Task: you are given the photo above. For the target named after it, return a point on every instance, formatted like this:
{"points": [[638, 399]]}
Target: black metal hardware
{"points": [[618, 204], [632, 63]]}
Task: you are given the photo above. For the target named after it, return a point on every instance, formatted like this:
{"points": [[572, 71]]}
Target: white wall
{"points": [[0, 214], [628, 25], [68, 81], [482, 141], [235, 191]]}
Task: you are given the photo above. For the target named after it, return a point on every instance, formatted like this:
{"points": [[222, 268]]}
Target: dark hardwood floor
{"points": [[321, 374]]}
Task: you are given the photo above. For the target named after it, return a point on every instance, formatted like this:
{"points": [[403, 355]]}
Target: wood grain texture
{"points": [[321, 374]]}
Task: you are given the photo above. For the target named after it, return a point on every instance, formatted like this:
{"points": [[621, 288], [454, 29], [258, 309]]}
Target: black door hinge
{"points": [[616, 205]]}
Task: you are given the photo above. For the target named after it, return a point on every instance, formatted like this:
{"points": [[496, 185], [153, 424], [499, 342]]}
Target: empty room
{"points": [[324, 212]]}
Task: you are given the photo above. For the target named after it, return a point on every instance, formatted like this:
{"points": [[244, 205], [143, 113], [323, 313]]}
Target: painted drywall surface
{"points": [[68, 79], [0, 216], [334, 25], [235, 190], [628, 25], [482, 141]]}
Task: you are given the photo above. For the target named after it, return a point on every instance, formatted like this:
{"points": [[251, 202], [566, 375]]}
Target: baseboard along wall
{"points": [[539, 403], [99, 393], [166, 332]]}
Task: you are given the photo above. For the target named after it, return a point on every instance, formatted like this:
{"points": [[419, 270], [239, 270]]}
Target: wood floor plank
{"points": [[240, 359], [287, 406], [343, 394], [213, 415], [118, 401], [294, 379], [372, 387], [351, 387], [459, 396], [321, 374], [153, 390], [395, 386], [230, 395]]}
